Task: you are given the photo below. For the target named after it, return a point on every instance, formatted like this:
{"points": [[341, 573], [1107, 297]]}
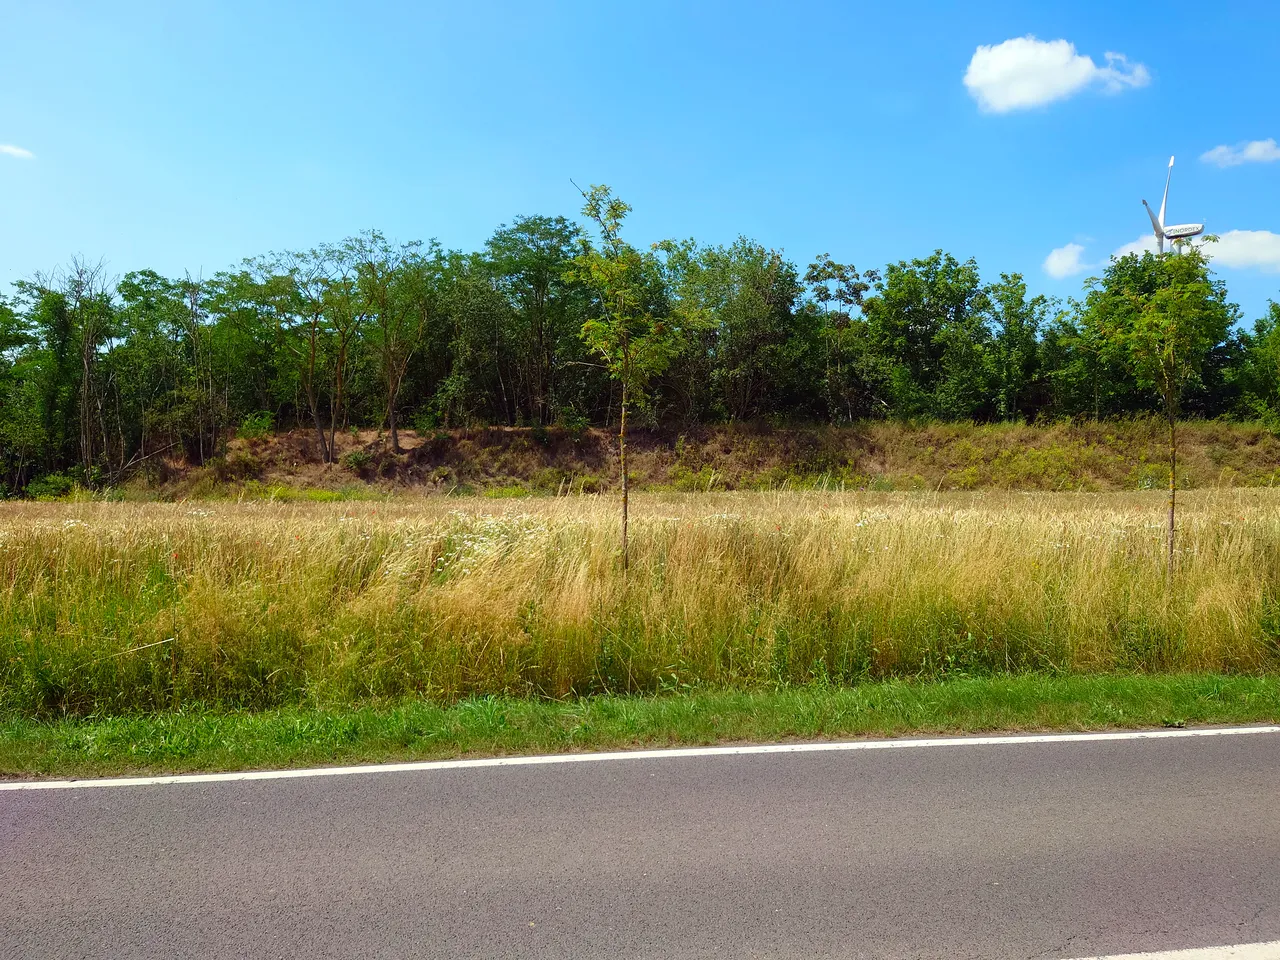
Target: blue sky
{"points": [[184, 137]]}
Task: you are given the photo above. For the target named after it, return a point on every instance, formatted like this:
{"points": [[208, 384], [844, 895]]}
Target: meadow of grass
{"points": [[115, 608]]}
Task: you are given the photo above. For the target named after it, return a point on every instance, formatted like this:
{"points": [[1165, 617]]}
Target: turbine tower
{"points": [[1176, 232]]}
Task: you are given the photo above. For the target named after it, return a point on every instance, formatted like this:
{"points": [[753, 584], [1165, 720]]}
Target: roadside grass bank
{"points": [[111, 609], [207, 740], [1122, 454]]}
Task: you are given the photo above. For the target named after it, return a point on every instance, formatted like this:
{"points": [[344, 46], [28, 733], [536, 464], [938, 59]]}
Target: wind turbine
{"points": [[1176, 232]]}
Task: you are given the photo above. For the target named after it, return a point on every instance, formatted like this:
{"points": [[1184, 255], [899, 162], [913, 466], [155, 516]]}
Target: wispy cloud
{"points": [[1144, 244], [1251, 151], [1066, 261], [1026, 72], [10, 150], [1069, 260]]}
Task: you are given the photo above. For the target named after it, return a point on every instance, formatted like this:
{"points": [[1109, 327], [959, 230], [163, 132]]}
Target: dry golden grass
{"points": [[112, 607]]}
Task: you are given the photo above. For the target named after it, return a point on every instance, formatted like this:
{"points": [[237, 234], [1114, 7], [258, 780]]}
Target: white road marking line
{"points": [[665, 754], [1241, 951]]}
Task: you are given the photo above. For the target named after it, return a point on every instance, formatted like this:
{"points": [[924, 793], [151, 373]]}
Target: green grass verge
{"points": [[414, 730]]}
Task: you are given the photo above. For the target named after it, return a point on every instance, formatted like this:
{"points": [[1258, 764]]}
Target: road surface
{"points": [[1069, 848]]}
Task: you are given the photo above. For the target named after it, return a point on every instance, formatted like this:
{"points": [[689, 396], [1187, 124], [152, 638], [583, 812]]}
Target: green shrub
{"points": [[706, 479], [575, 424], [356, 460], [425, 421], [52, 486], [550, 479], [237, 466], [256, 425]]}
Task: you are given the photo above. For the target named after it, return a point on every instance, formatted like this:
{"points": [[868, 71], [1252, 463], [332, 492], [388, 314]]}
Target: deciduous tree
{"points": [[1167, 313], [633, 341]]}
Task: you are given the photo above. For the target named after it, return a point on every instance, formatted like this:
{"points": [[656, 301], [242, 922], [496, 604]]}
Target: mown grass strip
{"points": [[195, 740]]}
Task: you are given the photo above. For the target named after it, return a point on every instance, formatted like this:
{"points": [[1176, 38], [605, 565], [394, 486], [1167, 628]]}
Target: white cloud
{"points": [[1144, 244], [1253, 151], [12, 151], [1237, 249], [1066, 262], [1245, 249], [1025, 72]]}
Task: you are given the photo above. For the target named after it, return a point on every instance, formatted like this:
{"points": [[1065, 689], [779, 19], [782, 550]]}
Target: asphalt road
{"points": [[1032, 850]]}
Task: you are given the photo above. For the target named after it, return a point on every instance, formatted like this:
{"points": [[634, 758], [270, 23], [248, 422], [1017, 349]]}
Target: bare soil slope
{"points": [[503, 460]]}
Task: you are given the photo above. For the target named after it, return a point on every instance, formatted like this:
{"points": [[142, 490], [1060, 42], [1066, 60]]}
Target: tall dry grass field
{"points": [[115, 607]]}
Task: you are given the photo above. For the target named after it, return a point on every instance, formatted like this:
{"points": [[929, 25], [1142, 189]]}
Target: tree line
{"points": [[554, 324]]}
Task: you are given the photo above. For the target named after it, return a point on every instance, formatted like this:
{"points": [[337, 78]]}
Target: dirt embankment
{"points": [[499, 460]]}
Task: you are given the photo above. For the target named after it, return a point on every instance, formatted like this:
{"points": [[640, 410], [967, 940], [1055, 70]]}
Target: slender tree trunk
{"points": [[324, 444], [622, 455], [509, 405], [1173, 481], [86, 409], [313, 407], [393, 378], [391, 420], [310, 385], [333, 428], [336, 408], [1096, 405]]}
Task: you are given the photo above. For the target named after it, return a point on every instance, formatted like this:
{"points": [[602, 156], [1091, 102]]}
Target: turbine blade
{"points": [[1165, 200], [1156, 224]]}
